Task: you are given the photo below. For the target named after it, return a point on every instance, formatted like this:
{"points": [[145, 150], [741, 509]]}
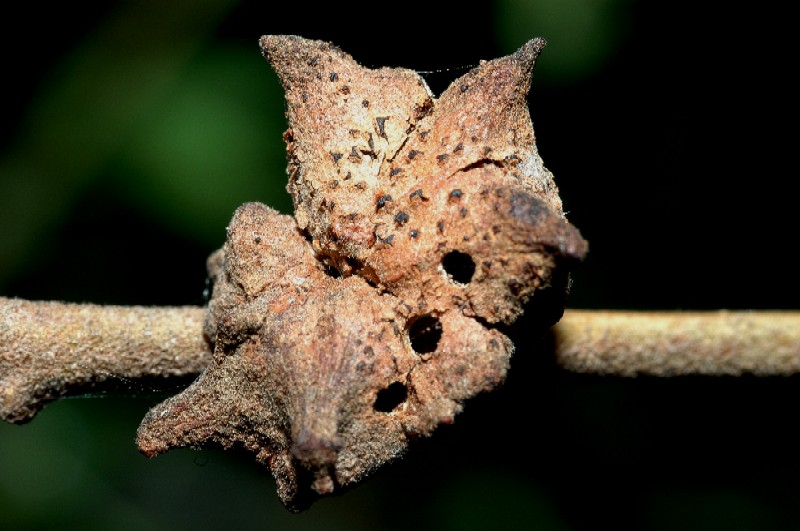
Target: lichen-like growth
{"points": [[367, 319]]}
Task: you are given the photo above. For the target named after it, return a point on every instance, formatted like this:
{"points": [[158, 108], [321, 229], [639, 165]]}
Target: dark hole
{"points": [[391, 397], [425, 333], [332, 271], [459, 266]]}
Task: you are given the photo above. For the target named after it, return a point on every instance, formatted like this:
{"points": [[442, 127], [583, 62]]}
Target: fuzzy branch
{"points": [[50, 349], [764, 343]]}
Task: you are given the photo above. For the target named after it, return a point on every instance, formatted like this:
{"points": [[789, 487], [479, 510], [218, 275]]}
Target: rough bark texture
{"points": [[365, 321], [50, 349], [387, 180], [679, 343]]}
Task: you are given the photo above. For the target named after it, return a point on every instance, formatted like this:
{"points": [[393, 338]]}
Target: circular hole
{"points": [[459, 266], [391, 397], [425, 333]]}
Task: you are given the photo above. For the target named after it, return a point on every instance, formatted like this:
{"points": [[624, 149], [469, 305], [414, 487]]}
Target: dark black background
{"points": [[677, 163]]}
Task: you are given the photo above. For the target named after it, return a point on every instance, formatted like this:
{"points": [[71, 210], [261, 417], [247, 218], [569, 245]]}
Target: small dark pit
{"points": [[460, 266], [424, 334], [390, 398]]}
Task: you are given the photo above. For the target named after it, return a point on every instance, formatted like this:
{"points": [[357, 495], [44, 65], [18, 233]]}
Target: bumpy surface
{"points": [[368, 318]]}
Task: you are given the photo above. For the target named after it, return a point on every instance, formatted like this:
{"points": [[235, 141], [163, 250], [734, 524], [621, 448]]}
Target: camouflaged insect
{"points": [[421, 224]]}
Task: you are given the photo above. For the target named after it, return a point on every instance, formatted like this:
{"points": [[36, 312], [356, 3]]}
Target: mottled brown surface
{"points": [[387, 180], [365, 321]]}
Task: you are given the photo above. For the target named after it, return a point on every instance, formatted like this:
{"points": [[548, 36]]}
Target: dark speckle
{"points": [[382, 200], [365, 103], [423, 135], [388, 240], [336, 157], [458, 148], [463, 212], [360, 186], [334, 184], [464, 88], [395, 171], [401, 218], [440, 226], [515, 286], [334, 76], [486, 150], [381, 120], [257, 239], [441, 157], [414, 233], [416, 193], [456, 194], [413, 153], [304, 97], [348, 176], [345, 89]]}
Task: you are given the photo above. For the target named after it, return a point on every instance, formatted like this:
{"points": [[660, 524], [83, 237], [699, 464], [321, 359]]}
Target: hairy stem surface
{"points": [[679, 343], [49, 349]]}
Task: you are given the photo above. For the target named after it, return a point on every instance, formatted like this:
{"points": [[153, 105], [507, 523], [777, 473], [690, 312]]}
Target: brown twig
{"points": [[48, 349], [764, 343]]}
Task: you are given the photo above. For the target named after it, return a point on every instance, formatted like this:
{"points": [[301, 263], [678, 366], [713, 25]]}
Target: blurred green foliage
{"points": [[184, 126], [212, 143], [582, 35]]}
